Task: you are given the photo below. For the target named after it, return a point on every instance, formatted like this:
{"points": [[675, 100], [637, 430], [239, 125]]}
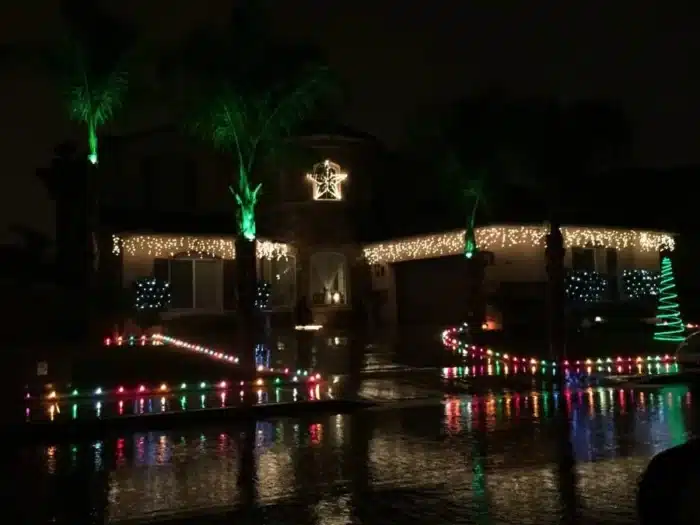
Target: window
{"points": [[207, 284], [181, 283], [196, 283], [583, 259], [327, 180], [329, 279], [611, 267], [281, 274]]}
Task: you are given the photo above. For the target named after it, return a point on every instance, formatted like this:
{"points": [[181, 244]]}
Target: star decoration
{"points": [[327, 179]]}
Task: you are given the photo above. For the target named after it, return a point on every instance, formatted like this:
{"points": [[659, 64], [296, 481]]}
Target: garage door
{"points": [[431, 291]]}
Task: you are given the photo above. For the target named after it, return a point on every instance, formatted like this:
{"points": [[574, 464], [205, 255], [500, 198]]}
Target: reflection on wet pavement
{"points": [[448, 461], [423, 455]]}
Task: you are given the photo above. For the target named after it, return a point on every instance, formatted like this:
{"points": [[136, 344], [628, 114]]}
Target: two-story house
{"points": [[167, 202]]}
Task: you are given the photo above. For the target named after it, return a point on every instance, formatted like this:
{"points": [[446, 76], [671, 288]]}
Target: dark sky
{"points": [[395, 55]]}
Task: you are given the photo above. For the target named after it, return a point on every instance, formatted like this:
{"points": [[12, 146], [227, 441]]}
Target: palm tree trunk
{"points": [[556, 303], [92, 144], [246, 283], [90, 286], [566, 464], [476, 307]]}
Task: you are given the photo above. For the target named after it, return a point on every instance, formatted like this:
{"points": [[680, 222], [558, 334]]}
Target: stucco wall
{"points": [[517, 264], [135, 266], [644, 260]]}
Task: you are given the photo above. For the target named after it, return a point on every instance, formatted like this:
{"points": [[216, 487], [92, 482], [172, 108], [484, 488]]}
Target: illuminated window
{"points": [[281, 274], [329, 279], [327, 179]]}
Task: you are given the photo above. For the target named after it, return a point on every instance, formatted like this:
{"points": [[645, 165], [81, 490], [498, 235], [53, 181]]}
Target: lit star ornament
{"points": [[327, 179]]}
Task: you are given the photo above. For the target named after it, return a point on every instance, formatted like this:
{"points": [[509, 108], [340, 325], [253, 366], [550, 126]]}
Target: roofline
{"points": [[519, 225], [446, 232]]}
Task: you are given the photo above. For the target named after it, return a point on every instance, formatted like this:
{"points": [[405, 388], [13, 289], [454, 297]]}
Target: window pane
{"points": [[329, 279], [181, 283], [282, 279], [583, 259], [207, 284]]}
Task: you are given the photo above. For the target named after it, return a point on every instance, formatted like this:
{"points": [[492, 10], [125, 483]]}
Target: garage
{"points": [[431, 291]]}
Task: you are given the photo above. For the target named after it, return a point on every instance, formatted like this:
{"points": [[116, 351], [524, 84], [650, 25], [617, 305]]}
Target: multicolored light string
{"points": [[452, 338], [144, 390], [131, 340], [160, 339], [669, 326], [177, 400]]}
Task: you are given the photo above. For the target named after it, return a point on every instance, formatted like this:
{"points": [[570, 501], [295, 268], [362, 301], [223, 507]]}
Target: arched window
{"points": [[327, 179], [329, 279], [282, 276], [196, 283]]}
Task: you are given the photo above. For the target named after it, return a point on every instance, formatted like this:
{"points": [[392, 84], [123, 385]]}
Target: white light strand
{"points": [[191, 246], [492, 238]]}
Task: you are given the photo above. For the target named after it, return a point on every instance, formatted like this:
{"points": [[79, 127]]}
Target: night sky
{"points": [[395, 56]]}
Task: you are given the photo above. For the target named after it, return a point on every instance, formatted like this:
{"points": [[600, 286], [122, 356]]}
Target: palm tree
{"points": [[463, 145], [245, 93], [557, 143], [95, 76], [88, 66]]}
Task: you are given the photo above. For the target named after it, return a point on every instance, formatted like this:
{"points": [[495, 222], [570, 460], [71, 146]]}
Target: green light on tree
{"points": [[461, 174], [669, 325], [674, 397], [87, 65], [246, 95], [472, 194]]}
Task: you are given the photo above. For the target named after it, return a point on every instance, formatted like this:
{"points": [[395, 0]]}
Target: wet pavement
{"points": [[420, 455]]}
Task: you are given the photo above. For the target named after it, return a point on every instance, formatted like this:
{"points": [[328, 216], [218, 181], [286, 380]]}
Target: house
{"points": [[170, 214]]}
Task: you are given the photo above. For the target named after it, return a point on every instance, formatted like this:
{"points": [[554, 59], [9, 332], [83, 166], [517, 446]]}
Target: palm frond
{"points": [[294, 105], [284, 108], [93, 99]]}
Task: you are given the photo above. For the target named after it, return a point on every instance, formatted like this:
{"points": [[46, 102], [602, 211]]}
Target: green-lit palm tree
{"points": [[244, 93], [461, 144], [89, 65]]}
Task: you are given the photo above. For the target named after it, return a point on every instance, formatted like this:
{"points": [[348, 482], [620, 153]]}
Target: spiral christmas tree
{"points": [[669, 325]]}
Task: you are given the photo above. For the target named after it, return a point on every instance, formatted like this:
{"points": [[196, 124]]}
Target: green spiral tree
{"points": [[669, 325]]}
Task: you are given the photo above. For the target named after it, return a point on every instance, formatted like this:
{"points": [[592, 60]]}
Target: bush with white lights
{"points": [[262, 299], [585, 287], [640, 284], [152, 295]]}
